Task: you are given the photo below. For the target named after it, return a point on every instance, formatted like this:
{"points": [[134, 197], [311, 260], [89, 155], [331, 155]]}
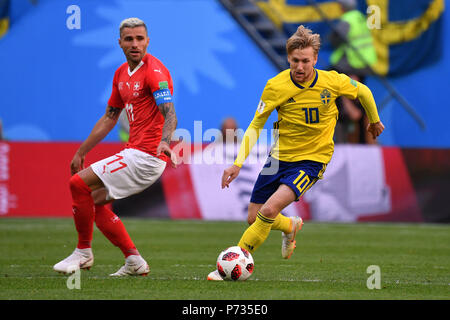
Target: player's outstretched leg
{"points": [[257, 233], [288, 239], [112, 228]]}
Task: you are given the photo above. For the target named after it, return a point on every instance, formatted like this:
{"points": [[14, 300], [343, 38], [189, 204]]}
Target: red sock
{"points": [[113, 229], [83, 211]]}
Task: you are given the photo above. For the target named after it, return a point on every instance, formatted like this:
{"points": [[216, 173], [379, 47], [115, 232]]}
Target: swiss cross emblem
{"points": [[136, 86]]}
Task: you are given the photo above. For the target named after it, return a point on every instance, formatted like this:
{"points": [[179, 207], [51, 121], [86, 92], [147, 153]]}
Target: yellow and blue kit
{"points": [[307, 116]]}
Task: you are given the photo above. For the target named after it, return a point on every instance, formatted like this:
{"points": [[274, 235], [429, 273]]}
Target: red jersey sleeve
{"points": [[115, 100], [160, 83]]}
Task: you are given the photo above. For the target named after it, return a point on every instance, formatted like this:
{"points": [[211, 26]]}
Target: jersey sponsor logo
{"points": [[120, 85], [162, 96], [157, 70], [291, 100], [261, 106], [325, 96]]}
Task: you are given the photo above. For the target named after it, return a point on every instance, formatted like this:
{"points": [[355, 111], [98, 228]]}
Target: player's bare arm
{"points": [[103, 126], [167, 109], [113, 114], [229, 175]]}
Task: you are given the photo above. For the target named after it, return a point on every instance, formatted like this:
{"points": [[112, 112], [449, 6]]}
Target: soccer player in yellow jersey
{"points": [[305, 100]]}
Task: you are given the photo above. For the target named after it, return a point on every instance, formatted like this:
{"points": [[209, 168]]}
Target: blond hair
{"points": [[303, 38]]}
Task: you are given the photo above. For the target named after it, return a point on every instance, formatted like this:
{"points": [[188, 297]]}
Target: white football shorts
{"points": [[128, 172]]}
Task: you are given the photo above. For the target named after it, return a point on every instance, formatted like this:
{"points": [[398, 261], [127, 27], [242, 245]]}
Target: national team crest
{"points": [[325, 96]]}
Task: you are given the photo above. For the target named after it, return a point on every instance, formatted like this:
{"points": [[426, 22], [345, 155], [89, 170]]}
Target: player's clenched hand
{"points": [[165, 148], [77, 163], [375, 129], [229, 175]]}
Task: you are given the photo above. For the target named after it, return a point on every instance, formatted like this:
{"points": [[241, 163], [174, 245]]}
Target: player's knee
{"points": [[100, 197], [269, 211], [99, 202], [251, 219]]}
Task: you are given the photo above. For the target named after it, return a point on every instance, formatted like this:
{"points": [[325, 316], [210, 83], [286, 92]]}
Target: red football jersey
{"points": [[139, 92]]}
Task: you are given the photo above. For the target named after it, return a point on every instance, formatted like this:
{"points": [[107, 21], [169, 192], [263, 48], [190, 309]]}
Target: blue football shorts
{"points": [[299, 176]]}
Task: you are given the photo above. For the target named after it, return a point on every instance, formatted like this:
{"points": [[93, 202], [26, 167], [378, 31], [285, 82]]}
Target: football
{"points": [[235, 264]]}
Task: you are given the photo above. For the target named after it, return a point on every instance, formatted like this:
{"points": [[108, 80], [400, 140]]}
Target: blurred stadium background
{"points": [[56, 75]]}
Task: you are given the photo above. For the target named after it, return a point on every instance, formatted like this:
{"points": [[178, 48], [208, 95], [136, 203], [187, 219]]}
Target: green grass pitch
{"points": [[330, 262]]}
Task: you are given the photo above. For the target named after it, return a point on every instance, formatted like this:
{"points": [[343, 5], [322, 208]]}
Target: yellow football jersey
{"points": [[307, 115]]}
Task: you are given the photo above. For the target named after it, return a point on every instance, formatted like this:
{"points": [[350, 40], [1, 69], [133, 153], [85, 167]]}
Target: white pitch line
{"points": [[150, 277]]}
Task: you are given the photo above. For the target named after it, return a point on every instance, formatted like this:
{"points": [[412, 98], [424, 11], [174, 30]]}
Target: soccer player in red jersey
{"points": [[143, 87]]}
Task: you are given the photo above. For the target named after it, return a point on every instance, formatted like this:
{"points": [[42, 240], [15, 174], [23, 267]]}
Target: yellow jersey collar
{"points": [[312, 83]]}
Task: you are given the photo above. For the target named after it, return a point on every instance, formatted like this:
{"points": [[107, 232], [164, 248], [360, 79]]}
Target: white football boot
{"points": [[214, 276], [288, 243], [134, 266], [79, 259]]}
